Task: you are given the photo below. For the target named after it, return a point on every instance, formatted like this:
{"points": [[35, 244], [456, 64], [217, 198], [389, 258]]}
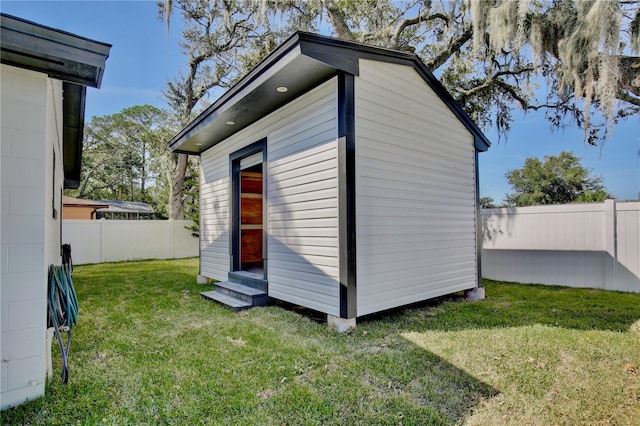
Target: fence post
{"points": [[170, 228], [101, 239], [610, 244]]}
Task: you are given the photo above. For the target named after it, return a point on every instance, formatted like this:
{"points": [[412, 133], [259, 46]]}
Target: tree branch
{"points": [[338, 20], [455, 44], [423, 17], [630, 74], [624, 96], [512, 92], [497, 81]]}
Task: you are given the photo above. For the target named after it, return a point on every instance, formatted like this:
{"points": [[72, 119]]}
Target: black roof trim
{"points": [[57, 53], [300, 62]]}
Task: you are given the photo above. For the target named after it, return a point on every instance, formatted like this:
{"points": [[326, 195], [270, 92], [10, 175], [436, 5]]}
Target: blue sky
{"points": [[142, 61]]}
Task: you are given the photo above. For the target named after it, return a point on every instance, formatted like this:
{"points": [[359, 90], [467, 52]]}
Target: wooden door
{"points": [[251, 220]]}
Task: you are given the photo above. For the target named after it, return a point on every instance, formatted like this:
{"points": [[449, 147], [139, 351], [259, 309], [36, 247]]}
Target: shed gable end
{"points": [[415, 191]]}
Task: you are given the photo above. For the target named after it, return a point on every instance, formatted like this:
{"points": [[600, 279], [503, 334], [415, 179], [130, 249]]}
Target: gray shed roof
{"points": [[125, 207], [300, 63], [76, 60]]}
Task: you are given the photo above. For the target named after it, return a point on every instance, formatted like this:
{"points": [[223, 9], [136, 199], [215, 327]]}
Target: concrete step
{"points": [[250, 295], [224, 299], [249, 279]]}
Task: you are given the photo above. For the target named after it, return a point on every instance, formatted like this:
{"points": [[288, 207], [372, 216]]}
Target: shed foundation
{"points": [[474, 294], [341, 325]]}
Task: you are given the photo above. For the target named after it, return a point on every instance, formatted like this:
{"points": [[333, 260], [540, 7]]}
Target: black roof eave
{"points": [[59, 54], [73, 104], [301, 62]]}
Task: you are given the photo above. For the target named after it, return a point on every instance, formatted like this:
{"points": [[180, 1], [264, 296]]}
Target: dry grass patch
{"points": [[546, 375]]}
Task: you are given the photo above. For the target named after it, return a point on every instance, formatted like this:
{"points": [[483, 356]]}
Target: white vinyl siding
{"points": [[303, 225], [214, 212], [415, 191], [302, 200]]}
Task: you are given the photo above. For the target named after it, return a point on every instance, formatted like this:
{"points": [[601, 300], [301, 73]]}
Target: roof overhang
{"points": [[81, 202], [300, 63], [59, 54], [77, 61], [73, 104]]}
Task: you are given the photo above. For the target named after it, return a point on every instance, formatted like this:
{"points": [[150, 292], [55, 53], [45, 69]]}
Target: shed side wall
{"points": [[302, 209], [415, 191]]}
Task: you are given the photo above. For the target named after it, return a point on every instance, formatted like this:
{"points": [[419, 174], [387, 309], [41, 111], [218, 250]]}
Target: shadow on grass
{"points": [[449, 360]]}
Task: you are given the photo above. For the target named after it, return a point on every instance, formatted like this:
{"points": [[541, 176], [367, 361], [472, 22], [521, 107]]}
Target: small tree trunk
{"points": [[143, 172], [131, 189], [176, 206], [83, 186]]}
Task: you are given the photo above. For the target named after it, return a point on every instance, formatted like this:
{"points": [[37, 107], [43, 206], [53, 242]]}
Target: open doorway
{"points": [[248, 189], [251, 206]]}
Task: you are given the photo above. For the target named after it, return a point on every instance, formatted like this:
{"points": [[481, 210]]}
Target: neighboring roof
{"points": [[79, 202], [76, 60], [125, 207], [299, 63]]}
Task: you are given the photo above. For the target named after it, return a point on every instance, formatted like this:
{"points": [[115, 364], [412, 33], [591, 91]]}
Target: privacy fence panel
{"points": [[96, 241], [628, 254], [579, 245]]}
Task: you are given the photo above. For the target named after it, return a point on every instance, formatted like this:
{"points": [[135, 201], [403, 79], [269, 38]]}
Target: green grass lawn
{"points": [[148, 349]]}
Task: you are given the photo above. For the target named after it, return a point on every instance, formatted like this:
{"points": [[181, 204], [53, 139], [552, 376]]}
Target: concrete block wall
{"points": [[31, 113]]}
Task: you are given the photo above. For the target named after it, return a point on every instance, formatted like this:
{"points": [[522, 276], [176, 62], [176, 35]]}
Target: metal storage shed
{"points": [[338, 176]]}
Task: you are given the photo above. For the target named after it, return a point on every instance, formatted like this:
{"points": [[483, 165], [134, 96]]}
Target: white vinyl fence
{"points": [[578, 245], [96, 241]]}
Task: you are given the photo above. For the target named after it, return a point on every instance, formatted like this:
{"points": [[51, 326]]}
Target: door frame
{"points": [[235, 203]]}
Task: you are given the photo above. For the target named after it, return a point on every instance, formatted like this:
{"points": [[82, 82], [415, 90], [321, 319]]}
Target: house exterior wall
{"points": [[302, 200], [54, 175], [415, 191], [31, 122]]}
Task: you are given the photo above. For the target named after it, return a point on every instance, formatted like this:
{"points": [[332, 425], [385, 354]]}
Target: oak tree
{"points": [[576, 60], [125, 157], [559, 179]]}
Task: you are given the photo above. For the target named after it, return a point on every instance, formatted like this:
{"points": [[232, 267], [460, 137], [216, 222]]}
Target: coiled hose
{"points": [[63, 310]]}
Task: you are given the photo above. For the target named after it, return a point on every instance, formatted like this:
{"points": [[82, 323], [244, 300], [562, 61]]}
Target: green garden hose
{"points": [[63, 310]]}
